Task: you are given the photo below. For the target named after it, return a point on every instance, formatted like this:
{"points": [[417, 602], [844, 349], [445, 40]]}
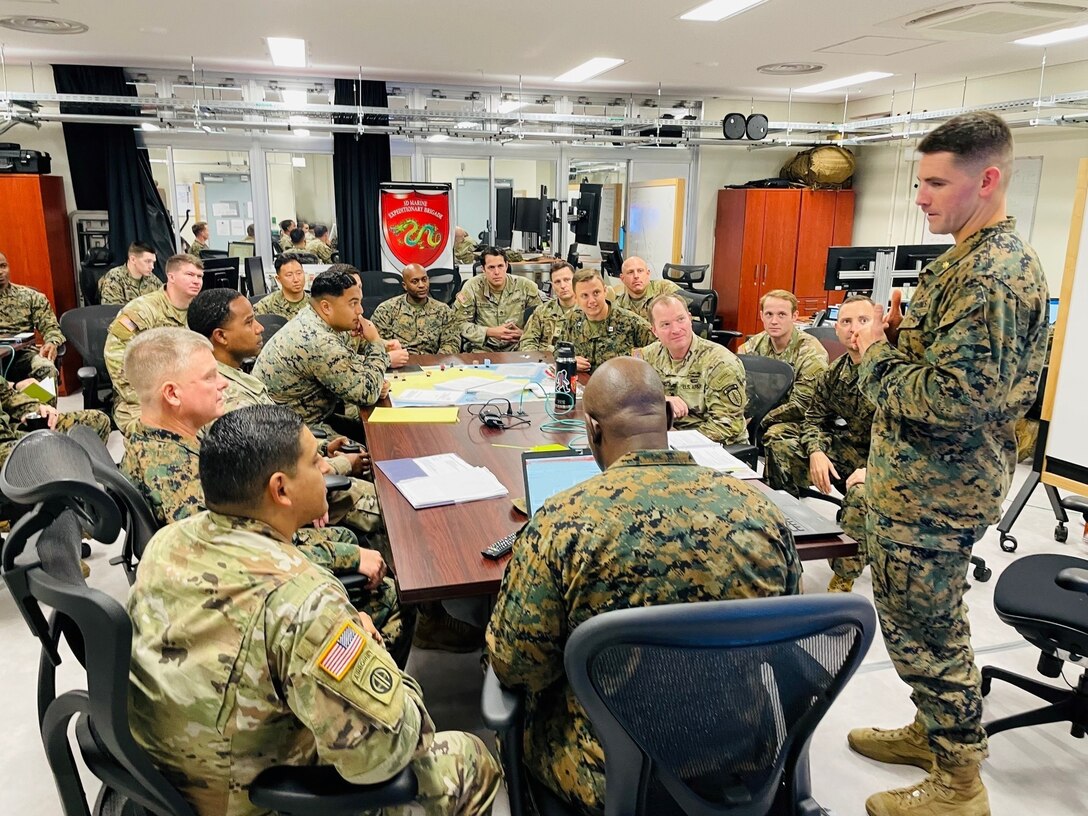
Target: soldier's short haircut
{"points": [[559, 266], [332, 282], [199, 226], [587, 274], [669, 298], [320, 231], [286, 225], [285, 258], [139, 247], [781, 294], [976, 138], [156, 355], [174, 261], [858, 299], [297, 234], [492, 250], [210, 310], [249, 231], [243, 449]]}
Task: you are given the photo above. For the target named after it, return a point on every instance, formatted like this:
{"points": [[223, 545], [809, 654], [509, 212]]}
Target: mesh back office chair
{"points": [[96, 265], [255, 299], [828, 339], [86, 329], [702, 303], [379, 287], [704, 708], [445, 284], [51, 474], [767, 383], [271, 323]]}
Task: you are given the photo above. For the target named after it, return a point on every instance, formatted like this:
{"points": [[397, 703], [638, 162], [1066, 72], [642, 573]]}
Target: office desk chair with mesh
{"points": [[51, 476], [701, 708], [445, 284], [767, 383], [86, 329]]}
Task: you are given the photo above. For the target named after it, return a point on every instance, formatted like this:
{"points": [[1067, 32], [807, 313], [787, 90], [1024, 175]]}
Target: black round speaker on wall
{"points": [[733, 126], [756, 127]]}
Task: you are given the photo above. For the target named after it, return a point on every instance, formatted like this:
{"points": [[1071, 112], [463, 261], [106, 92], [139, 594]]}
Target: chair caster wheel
{"points": [[84, 550], [1008, 542], [1061, 533], [982, 574]]}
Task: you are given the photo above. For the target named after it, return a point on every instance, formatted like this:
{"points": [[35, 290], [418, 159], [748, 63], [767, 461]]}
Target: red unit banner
{"points": [[416, 226]]}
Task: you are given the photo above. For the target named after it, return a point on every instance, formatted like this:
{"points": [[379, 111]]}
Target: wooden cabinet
{"points": [[776, 239], [34, 237]]}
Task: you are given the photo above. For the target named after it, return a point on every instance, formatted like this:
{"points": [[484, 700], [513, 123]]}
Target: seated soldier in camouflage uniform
{"points": [[285, 234], [638, 291], [23, 309], [832, 442], [782, 340], [599, 330], [200, 239], [180, 391], [623, 538], [704, 382], [290, 298], [131, 279], [491, 307], [246, 655], [164, 307], [321, 245], [464, 248], [421, 324], [543, 325], [298, 240]]}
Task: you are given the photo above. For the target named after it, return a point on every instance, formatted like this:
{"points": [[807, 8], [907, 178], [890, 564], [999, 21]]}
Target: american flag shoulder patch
{"points": [[342, 651]]}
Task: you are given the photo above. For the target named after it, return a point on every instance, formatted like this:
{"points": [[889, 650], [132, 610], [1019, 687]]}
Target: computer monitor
{"points": [[589, 208], [255, 280], [241, 249], [611, 258], [844, 265], [1052, 312], [504, 216], [917, 256], [526, 214], [221, 273], [832, 314]]}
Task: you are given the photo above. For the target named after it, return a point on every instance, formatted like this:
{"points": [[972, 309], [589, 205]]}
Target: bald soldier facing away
{"points": [[653, 528], [422, 324], [246, 655]]}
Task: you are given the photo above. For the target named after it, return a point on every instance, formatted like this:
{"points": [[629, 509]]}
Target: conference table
{"points": [[436, 551]]}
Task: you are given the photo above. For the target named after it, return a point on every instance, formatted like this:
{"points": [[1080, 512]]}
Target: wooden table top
{"points": [[436, 551]]}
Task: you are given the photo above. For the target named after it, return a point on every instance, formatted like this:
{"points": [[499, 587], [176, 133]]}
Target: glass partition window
{"points": [[300, 189], [612, 176]]}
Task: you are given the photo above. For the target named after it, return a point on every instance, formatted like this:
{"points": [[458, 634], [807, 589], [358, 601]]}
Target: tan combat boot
{"points": [[896, 746], [840, 584], [951, 792], [437, 629]]}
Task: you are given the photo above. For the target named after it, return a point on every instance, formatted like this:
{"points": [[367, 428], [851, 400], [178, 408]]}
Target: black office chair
{"points": [[723, 337], [378, 287], [767, 383], [685, 275], [255, 299], [94, 268], [1045, 598], [702, 708], [702, 303], [52, 476], [86, 329], [828, 339], [302, 257], [271, 323], [445, 284]]}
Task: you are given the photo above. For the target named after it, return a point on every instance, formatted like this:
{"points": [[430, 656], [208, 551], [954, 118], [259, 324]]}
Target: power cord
{"points": [[492, 416], [557, 423]]}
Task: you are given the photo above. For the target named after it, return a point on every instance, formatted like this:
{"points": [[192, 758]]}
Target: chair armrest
{"points": [[319, 433], [501, 707], [335, 482], [749, 454], [1074, 579], [321, 791], [87, 373]]}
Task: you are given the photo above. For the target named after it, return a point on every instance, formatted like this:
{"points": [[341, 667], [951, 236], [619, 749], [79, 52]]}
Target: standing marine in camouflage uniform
{"points": [[290, 298], [24, 309], [131, 279], [246, 655], [491, 307], [420, 323], [309, 365], [638, 290], [200, 239], [704, 382], [949, 380], [599, 330], [320, 245], [464, 248], [620, 539], [542, 328], [163, 308]]}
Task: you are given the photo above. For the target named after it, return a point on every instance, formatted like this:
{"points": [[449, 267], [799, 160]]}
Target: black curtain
{"points": [[108, 171], [360, 163]]}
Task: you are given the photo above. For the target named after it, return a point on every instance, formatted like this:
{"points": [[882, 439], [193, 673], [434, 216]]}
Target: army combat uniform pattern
{"points": [[154, 311], [277, 304], [808, 358], [424, 328], [641, 307], [543, 326], [118, 286], [680, 533], [245, 655], [710, 380], [464, 251], [479, 308], [966, 366], [17, 405], [319, 248], [599, 341], [196, 247], [24, 309], [310, 367]]}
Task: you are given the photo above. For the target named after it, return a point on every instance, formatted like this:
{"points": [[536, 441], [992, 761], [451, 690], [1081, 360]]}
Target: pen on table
{"points": [[515, 447]]}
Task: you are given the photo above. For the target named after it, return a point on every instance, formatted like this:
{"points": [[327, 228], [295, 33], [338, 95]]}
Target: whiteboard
{"points": [[655, 222], [1066, 401]]}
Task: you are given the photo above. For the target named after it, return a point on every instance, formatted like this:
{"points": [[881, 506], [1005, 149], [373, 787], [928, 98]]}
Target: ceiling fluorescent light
{"points": [[303, 132], [293, 98], [832, 84], [510, 106], [466, 125], [287, 52], [589, 69], [438, 137], [1054, 37], [717, 10], [149, 126]]}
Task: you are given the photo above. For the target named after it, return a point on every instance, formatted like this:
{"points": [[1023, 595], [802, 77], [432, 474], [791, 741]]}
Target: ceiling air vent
{"points": [[996, 18]]}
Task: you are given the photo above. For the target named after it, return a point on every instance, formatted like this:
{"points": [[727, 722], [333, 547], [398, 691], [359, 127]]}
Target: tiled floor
{"points": [[1038, 770]]}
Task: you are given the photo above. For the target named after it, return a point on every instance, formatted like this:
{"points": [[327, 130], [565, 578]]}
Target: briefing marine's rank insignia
{"points": [[340, 655]]}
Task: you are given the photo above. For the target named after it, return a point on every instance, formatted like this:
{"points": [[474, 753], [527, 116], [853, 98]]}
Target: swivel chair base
{"points": [[1065, 705]]}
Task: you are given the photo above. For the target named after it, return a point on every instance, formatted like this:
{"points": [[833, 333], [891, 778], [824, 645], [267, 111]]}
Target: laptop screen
{"points": [[548, 473], [1052, 311]]}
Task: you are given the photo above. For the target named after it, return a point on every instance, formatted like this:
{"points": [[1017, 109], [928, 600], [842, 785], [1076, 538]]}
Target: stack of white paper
{"points": [[462, 384], [424, 397], [447, 479], [709, 453], [500, 388]]}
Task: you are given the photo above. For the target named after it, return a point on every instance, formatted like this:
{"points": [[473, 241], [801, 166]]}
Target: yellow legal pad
{"points": [[445, 415]]}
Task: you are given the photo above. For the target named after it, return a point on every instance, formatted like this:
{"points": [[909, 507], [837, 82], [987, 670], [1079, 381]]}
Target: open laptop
{"points": [[803, 520], [549, 472]]}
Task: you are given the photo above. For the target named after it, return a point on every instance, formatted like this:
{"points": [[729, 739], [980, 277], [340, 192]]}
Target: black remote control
{"points": [[500, 547]]}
